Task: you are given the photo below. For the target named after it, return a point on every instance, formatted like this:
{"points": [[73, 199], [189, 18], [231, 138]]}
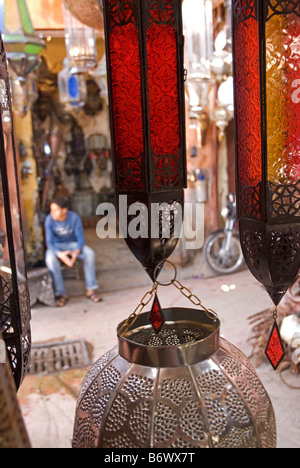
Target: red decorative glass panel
{"points": [[163, 96], [248, 123], [127, 124], [156, 315], [275, 351], [248, 102]]}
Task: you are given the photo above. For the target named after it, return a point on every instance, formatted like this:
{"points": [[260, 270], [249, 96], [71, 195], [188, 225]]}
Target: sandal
{"points": [[94, 297], [62, 300]]}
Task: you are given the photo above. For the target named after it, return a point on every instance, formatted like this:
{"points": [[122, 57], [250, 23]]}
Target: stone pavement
{"points": [[48, 401]]}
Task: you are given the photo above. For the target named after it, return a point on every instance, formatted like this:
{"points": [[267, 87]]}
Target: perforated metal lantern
{"points": [[184, 387]]}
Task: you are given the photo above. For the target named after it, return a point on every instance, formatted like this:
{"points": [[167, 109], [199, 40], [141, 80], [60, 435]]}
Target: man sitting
{"points": [[65, 242]]}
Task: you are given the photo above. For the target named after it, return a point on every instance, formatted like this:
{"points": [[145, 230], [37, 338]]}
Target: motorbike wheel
{"points": [[218, 259]]}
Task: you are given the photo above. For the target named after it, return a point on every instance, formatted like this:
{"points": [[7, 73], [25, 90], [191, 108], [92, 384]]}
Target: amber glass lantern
{"points": [[144, 46], [266, 41], [14, 294]]}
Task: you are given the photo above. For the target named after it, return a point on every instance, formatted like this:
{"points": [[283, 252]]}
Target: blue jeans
{"points": [[54, 266]]}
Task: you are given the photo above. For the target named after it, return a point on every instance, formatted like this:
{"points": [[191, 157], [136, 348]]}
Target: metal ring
{"points": [[172, 281]]}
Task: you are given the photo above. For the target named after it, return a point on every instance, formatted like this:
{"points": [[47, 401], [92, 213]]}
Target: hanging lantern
{"points": [[183, 387], [72, 88], [22, 45], [89, 12], [266, 62], [14, 293], [172, 382], [144, 46], [99, 75], [80, 43], [18, 91], [198, 30]]}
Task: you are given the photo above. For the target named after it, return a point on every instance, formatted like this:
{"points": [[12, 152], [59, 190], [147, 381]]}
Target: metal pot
{"points": [[182, 387]]}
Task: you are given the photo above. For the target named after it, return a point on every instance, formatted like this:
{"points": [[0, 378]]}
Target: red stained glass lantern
{"points": [[144, 47], [266, 44]]}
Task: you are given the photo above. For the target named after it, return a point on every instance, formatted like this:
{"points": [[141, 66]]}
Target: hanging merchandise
{"points": [[80, 43], [22, 45], [148, 128], [266, 58], [172, 382], [89, 12], [20, 101], [201, 187], [99, 75], [77, 144], [14, 292], [198, 25], [182, 387], [72, 88]]}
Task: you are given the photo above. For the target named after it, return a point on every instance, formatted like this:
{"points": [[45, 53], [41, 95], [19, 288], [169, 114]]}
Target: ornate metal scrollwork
{"points": [[243, 10]]}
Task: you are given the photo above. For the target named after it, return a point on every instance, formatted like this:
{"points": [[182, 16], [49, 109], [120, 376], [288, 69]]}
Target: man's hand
{"points": [[66, 257], [74, 256]]}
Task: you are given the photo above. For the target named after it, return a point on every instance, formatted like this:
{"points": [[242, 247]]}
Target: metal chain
{"points": [[149, 295], [192, 297], [132, 317]]}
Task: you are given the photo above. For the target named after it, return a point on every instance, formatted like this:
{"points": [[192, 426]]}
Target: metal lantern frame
{"points": [[269, 211], [147, 117], [266, 67], [80, 43], [23, 45], [15, 313]]}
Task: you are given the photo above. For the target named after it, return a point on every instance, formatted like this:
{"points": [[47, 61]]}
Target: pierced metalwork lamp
{"points": [[22, 45], [172, 382], [266, 41], [14, 293]]}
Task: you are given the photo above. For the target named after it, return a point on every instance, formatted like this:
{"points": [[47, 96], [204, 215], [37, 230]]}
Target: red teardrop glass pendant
{"points": [[156, 315], [275, 350]]}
